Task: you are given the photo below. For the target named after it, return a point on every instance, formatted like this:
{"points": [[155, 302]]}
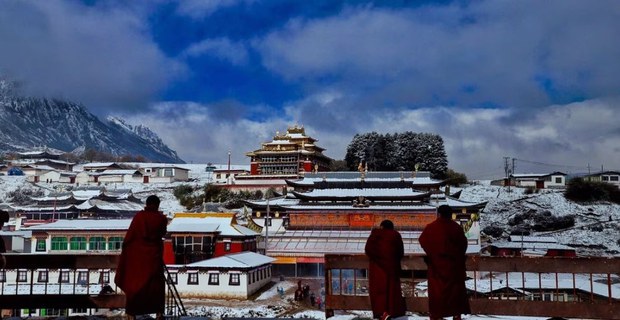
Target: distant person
{"points": [[140, 272], [385, 249], [445, 245], [4, 218]]}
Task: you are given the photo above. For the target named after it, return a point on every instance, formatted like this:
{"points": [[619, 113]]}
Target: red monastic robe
{"points": [[385, 249], [445, 245], [140, 271]]}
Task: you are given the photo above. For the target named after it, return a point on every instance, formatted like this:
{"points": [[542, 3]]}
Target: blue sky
{"points": [[533, 80]]}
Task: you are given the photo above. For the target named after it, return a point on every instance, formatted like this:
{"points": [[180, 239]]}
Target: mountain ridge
{"points": [[27, 122]]}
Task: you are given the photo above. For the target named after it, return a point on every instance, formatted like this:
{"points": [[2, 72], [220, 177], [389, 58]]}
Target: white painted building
{"points": [[233, 276], [110, 176], [539, 180], [163, 173]]}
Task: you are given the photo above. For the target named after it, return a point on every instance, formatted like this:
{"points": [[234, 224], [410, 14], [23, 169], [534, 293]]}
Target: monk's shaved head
{"points": [[444, 211]]}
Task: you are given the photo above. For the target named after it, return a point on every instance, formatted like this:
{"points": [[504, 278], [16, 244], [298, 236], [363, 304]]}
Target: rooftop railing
{"points": [[585, 288], [63, 281]]}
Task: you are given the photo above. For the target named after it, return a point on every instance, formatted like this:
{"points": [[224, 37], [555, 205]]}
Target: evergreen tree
{"points": [[398, 152]]}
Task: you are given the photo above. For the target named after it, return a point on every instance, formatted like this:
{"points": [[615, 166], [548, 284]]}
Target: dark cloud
{"points": [[99, 56]]}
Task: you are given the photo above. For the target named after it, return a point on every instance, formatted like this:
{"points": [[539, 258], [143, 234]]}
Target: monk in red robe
{"points": [[385, 249], [140, 271], [445, 245]]}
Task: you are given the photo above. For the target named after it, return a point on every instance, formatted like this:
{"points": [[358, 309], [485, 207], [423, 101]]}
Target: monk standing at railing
{"points": [[385, 249], [140, 272], [445, 245]]}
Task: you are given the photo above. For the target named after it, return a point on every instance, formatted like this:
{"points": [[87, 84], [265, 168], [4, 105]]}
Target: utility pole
{"points": [[268, 194], [228, 177], [507, 171]]}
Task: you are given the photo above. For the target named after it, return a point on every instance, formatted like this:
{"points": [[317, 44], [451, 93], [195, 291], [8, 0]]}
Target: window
{"points": [[168, 172], [79, 310], [64, 276], [613, 178], [54, 312], [234, 279], [96, 243], [43, 274], [82, 277], [115, 243], [214, 278], [192, 278], [558, 180], [173, 277], [605, 178], [41, 246], [2, 276], [104, 277], [22, 276], [59, 243], [78, 243], [227, 246]]}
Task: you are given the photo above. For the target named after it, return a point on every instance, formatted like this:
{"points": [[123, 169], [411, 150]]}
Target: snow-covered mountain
{"points": [[33, 122]]}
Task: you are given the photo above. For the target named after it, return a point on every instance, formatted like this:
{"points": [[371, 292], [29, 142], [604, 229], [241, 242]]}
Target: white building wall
{"points": [[223, 290], [53, 176], [554, 182]]}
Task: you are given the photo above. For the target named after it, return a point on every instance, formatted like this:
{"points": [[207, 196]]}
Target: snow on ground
{"points": [[596, 231], [597, 225], [269, 304]]}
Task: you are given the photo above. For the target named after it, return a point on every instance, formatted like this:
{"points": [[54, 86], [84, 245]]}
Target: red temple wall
{"points": [[361, 220]]}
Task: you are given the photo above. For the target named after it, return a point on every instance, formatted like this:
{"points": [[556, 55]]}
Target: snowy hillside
{"points": [[27, 122], [596, 230]]}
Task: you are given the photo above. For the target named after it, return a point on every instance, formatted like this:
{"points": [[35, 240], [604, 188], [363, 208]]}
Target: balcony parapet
{"points": [[517, 286]]}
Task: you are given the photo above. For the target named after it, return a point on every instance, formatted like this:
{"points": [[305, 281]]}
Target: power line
{"points": [[551, 164]]}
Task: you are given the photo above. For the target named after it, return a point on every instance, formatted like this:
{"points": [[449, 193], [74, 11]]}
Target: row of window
{"points": [[279, 159], [80, 243], [64, 276], [610, 178], [234, 279], [278, 169]]}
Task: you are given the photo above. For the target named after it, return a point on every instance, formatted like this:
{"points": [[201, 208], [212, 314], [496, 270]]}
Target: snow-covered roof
{"points": [[98, 164], [372, 207], [547, 281], [224, 223], [144, 165], [421, 177], [358, 192], [535, 175], [122, 205], [514, 238], [241, 260], [115, 172], [531, 246], [84, 225]]}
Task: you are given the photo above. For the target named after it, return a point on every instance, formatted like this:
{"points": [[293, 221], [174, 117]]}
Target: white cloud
{"points": [[199, 9], [100, 56], [234, 52], [483, 52]]}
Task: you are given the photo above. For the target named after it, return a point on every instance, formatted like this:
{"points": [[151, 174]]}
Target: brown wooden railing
{"points": [[63, 281], [586, 288]]}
